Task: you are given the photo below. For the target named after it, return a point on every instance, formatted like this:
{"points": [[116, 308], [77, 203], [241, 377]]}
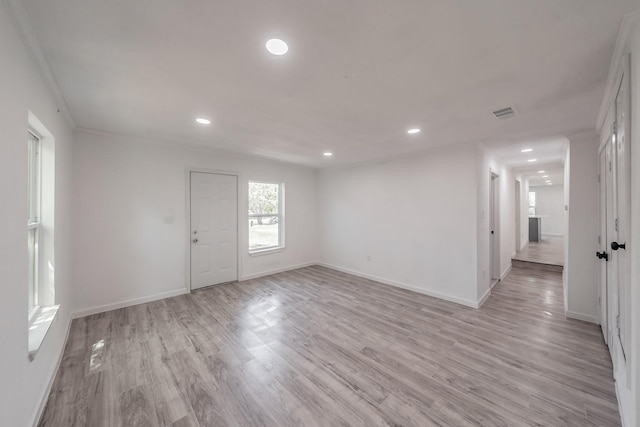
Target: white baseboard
{"points": [[553, 234], [275, 271], [462, 301], [506, 271], [581, 316], [623, 415], [484, 297], [52, 376], [128, 303]]}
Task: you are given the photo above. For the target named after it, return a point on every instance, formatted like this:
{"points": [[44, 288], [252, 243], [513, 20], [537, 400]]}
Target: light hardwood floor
{"points": [[549, 250], [318, 347]]}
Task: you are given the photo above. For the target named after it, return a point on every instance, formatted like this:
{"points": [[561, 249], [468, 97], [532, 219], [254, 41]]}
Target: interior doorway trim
{"points": [[518, 209], [187, 222], [494, 226]]}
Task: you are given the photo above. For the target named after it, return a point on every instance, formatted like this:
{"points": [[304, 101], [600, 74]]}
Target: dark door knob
{"points": [[615, 246]]}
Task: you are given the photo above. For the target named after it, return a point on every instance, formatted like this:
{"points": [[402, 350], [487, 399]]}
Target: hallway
{"points": [[550, 250], [314, 346]]}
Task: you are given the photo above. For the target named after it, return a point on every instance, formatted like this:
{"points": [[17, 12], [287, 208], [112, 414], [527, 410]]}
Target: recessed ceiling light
{"points": [[327, 154], [548, 181], [413, 131], [532, 160], [545, 176], [540, 171], [277, 47], [527, 150], [203, 121]]}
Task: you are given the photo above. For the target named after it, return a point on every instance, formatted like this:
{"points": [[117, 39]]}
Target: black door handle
{"points": [[615, 246], [603, 255]]}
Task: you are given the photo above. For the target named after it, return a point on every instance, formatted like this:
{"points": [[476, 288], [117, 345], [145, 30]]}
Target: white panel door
{"points": [[612, 270], [214, 229], [603, 250], [623, 212]]}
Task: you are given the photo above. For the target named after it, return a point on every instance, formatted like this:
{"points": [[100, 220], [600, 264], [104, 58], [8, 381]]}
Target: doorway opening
{"points": [[542, 219]]}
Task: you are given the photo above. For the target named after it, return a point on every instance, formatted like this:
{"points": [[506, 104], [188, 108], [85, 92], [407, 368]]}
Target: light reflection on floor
{"points": [[97, 350]]}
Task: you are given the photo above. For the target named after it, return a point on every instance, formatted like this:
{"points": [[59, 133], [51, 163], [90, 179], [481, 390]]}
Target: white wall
{"points": [[488, 163], [23, 384], [550, 204], [123, 189], [581, 269], [415, 218]]}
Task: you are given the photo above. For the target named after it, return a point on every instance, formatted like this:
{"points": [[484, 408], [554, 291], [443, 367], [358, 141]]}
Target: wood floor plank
{"points": [[549, 250], [315, 346]]}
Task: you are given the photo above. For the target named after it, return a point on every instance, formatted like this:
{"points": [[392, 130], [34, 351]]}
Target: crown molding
{"points": [[18, 15], [630, 24]]}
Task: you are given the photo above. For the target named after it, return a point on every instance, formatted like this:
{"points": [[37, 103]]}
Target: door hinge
{"points": [[599, 240], [616, 224], [598, 178], [614, 127], [609, 165], [618, 322]]}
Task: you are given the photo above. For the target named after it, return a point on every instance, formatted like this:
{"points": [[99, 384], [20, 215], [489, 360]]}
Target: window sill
{"points": [[39, 326], [266, 251]]}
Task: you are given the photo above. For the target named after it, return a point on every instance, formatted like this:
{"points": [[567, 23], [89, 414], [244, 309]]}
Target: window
{"points": [[40, 280], [532, 203], [266, 219], [33, 217]]}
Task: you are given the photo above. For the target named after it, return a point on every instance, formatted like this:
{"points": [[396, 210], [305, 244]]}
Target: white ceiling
{"points": [[548, 152], [358, 74]]}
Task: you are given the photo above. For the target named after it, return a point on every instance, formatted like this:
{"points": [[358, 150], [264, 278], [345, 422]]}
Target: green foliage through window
{"points": [[265, 221]]}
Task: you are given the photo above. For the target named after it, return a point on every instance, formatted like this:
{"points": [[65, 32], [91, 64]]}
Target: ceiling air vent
{"points": [[504, 113]]}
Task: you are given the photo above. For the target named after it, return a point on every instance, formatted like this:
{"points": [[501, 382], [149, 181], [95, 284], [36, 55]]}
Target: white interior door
{"points": [[214, 229], [611, 270], [603, 250], [623, 212]]}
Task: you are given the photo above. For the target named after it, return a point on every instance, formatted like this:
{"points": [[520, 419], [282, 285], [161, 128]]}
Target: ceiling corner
{"points": [[18, 15]]}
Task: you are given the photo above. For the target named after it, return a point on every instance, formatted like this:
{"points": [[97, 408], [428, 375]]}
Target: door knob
{"points": [[603, 255], [195, 240], [615, 246]]}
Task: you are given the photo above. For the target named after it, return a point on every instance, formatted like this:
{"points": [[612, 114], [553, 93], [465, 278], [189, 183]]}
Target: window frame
{"points": [[532, 207], [280, 215], [34, 216]]}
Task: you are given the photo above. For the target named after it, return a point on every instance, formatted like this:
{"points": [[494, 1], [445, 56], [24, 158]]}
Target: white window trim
{"points": [[43, 313], [39, 325], [33, 219], [281, 222]]}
